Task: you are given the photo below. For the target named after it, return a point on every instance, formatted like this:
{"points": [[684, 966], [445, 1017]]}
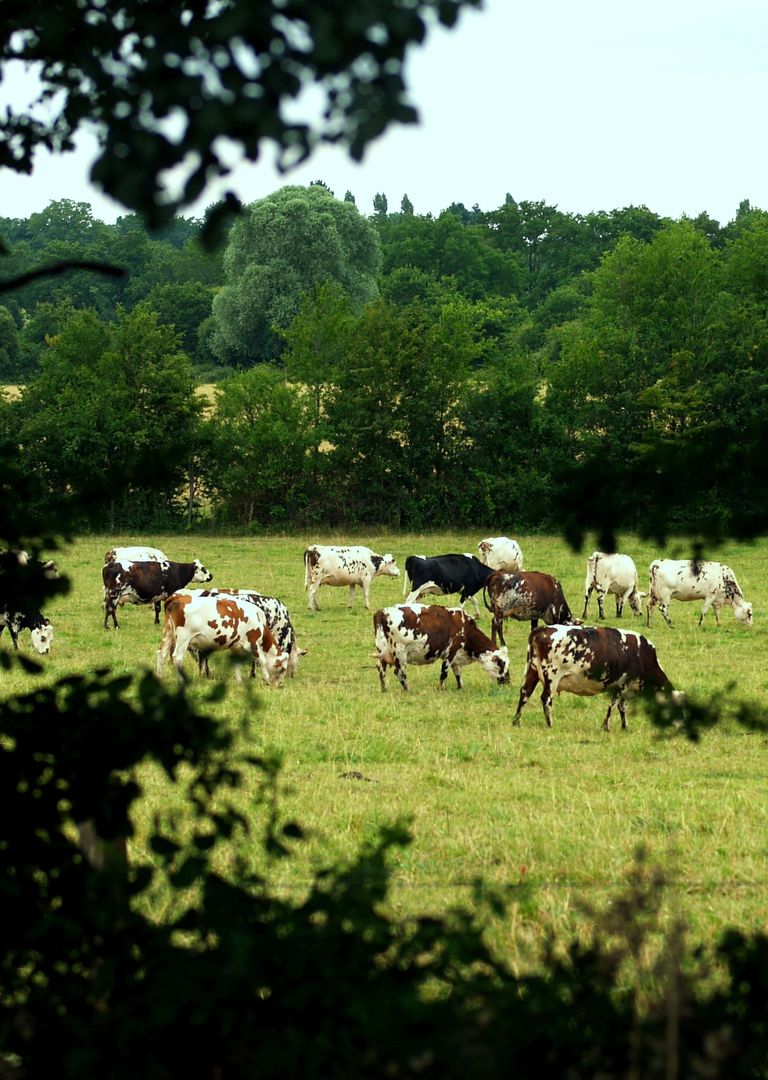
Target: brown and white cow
{"points": [[146, 583], [424, 633], [501, 553], [445, 575], [528, 594], [616, 574], [696, 579], [277, 616], [589, 660], [354, 565], [218, 623]]}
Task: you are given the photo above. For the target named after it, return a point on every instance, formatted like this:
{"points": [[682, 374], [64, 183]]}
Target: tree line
{"points": [[399, 369]]}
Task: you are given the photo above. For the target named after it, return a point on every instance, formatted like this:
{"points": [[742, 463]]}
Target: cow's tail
{"points": [[306, 569], [652, 571], [485, 596], [406, 580]]}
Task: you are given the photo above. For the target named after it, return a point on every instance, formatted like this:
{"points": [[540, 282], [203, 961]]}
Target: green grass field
{"points": [[562, 810]]}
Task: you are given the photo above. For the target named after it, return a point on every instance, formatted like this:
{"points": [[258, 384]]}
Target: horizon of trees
{"points": [[508, 349]]}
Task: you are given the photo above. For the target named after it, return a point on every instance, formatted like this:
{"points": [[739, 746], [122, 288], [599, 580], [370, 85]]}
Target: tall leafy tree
{"points": [[281, 248], [113, 407]]}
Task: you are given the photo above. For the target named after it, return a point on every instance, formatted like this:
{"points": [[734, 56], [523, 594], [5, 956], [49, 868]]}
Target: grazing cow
{"points": [[146, 583], [694, 579], [587, 660], [216, 623], [41, 628], [615, 574], [446, 574], [501, 553], [423, 633], [526, 595], [277, 616], [327, 565]]}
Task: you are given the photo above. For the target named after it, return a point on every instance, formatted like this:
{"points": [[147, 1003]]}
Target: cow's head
{"points": [[743, 612], [386, 565], [636, 601], [278, 664], [42, 636], [201, 574], [496, 663]]}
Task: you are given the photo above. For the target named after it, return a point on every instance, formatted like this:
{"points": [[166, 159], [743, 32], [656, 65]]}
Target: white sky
{"points": [[589, 106]]}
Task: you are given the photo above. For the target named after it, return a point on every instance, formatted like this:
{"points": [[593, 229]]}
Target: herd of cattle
{"points": [[563, 655]]}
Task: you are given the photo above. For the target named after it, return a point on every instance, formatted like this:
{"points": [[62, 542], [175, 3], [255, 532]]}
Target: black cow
{"points": [[146, 583], [525, 595], [588, 660], [445, 575]]}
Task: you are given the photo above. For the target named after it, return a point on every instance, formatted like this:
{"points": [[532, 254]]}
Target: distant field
{"points": [[563, 810]]}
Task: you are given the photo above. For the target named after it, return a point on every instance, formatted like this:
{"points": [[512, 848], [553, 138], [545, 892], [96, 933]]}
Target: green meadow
{"points": [[562, 812]]}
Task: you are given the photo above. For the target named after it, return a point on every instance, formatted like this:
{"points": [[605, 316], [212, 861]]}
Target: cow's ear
{"points": [[377, 561]]}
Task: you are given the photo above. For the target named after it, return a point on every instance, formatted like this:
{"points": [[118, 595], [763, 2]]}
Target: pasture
{"points": [[562, 811]]}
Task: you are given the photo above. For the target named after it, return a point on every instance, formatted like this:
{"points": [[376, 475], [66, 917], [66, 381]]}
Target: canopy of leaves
{"points": [[163, 82]]}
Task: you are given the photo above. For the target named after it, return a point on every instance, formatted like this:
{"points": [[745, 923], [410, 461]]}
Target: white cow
{"points": [[128, 555], [689, 579], [616, 574], [277, 615], [501, 553], [327, 565], [216, 623]]}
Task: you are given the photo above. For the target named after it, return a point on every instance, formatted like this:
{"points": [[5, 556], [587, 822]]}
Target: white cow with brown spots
{"points": [[696, 579], [501, 553], [219, 623], [351, 566], [423, 633], [587, 660]]}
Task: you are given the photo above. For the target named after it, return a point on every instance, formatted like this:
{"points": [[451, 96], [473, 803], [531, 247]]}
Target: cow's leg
{"points": [[651, 606], [365, 584], [381, 664], [157, 612], [529, 685], [110, 608], [166, 646], [312, 603], [497, 627], [546, 701], [179, 652], [474, 604], [600, 602], [534, 623], [456, 669], [399, 666], [587, 595], [705, 608], [351, 601], [664, 609], [619, 604], [623, 713], [444, 669]]}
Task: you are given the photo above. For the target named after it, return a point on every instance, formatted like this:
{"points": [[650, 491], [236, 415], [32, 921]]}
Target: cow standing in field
{"points": [[522, 596], [589, 660], [219, 623], [445, 575], [277, 616], [695, 579], [126, 556], [616, 574], [353, 566], [146, 583], [501, 553], [424, 633]]}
